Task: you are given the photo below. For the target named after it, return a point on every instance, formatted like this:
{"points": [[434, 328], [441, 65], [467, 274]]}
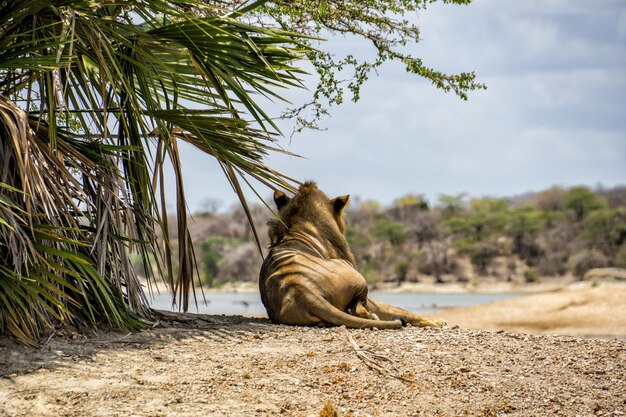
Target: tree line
{"points": [[528, 238]]}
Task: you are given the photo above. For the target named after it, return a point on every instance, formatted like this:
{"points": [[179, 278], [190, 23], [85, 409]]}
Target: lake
{"points": [[249, 303]]}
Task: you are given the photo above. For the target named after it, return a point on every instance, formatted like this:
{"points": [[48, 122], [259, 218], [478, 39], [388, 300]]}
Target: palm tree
{"points": [[94, 99]]}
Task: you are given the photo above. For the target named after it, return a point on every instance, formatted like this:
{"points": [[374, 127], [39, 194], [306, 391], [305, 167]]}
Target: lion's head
{"points": [[309, 206]]}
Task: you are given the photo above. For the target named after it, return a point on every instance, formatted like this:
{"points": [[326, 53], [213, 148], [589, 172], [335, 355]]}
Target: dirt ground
{"points": [[237, 366]]}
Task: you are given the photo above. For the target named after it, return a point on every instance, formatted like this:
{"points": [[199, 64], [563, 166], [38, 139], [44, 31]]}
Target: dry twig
{"points": [[372, 359]]}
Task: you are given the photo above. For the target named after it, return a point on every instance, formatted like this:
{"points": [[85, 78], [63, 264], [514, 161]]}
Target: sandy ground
{"points": [[237, 366], [593, 311]]}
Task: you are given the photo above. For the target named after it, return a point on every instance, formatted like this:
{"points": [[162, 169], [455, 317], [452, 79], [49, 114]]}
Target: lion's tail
{"points": [[323, 309]]}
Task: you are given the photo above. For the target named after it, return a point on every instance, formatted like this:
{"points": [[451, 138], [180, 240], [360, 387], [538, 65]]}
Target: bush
{"points": [[605, 229], [371, 273], [402, 268], [552, 264], [241, 263], [384, 228], [581, 200], [212, 250], [620, 257], [531, 276], [357, 239], [585, 260], [482, 254]]}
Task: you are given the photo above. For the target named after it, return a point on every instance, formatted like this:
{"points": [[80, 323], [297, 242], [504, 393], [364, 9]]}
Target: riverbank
{"points": [[428, 284], [579, 310], [236, 366]]}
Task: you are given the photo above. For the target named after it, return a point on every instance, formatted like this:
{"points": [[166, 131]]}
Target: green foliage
{"points": [[212, 250], [542, 233], [605, 229], [458, 226], [524, 220], [411, 202], [487, 206], [356, 237], [371, 273], [389, 230], [382, 23], [485, 217], [552, 218], [581, 200], [522, 225], [531, 276], [452, 204]]}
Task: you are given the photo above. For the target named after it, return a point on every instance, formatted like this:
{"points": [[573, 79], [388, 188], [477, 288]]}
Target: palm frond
{"points": [[94, 98]]}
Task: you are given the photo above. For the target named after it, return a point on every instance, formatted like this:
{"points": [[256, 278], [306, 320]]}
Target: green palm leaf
{"points": [[94, 98]]}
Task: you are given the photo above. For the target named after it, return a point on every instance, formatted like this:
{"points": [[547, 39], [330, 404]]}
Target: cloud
{"points": [[553, 113], [621, 25], [526, 132], [503, 37]]}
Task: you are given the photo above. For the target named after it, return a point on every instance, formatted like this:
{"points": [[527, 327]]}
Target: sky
{"points": [[554, 112]]}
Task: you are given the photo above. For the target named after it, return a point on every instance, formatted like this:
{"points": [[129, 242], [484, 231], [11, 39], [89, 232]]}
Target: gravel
{"points": [[238, 366]]}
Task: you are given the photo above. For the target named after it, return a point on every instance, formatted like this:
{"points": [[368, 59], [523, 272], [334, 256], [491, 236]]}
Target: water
{"points": [[249, 303]]}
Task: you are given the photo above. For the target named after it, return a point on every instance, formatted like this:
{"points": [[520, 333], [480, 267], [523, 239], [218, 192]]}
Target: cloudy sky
{"points": [[554, 112]]}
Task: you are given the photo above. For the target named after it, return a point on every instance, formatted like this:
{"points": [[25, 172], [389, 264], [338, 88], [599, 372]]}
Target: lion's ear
{"points": [[340, 202], [280, 199]]}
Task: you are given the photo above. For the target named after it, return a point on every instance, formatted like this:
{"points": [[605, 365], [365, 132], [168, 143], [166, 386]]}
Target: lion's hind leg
{"points": [[361, 311], [388, 312]]}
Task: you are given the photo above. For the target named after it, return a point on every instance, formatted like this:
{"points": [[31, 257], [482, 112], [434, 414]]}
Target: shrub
{"points": [[531, 276], [356, 237], [620, 257], [402, 268], [581, 200], [371, 273], [585, 260], [482, 254], [212, 250], [552, 264], [241, 263], [605, 229], [384, 228]]}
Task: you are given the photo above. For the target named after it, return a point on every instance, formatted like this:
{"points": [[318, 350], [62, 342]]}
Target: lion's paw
{"points": [[433, 323]]}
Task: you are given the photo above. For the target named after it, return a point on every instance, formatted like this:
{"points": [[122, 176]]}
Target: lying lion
{"points": [[309, 275]]}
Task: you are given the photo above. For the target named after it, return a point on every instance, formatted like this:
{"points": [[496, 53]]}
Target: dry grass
{"points": [[329, 410]]}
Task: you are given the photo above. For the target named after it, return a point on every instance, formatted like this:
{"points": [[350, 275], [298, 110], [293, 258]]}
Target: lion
{"points": [[309, 276]]}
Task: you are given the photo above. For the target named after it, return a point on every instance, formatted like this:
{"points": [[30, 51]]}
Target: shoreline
{"points": [[486, 285], [595, 308]]}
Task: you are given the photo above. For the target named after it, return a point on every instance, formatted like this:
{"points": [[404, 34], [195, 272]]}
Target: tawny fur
{"points": [[309, 276]]}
